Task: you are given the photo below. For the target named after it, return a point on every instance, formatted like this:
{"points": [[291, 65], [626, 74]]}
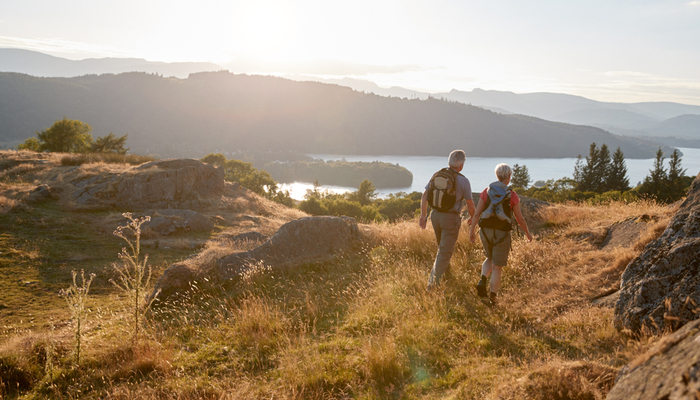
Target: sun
{"points": [[265, 29]]}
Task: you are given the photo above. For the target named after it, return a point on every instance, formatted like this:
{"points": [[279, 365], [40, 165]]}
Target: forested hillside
{"points": [[221, 111]]}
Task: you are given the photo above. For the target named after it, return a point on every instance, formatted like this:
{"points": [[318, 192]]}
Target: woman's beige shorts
{"points": [[496, 245]]}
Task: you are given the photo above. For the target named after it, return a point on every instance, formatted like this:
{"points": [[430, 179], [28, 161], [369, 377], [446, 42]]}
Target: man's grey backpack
{"points": [[497, 214], [442, 190]]}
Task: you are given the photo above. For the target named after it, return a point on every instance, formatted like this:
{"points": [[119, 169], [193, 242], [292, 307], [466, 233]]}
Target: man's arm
{"points": [[470, 208], [475, 218], [423, 221]]}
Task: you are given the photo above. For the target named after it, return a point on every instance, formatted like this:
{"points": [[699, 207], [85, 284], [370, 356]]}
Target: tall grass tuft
{"points": [[133, 273], [76, 296]]}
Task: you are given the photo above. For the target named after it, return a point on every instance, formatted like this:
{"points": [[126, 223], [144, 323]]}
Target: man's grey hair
{"points": [[456, 159], [503, 171]]}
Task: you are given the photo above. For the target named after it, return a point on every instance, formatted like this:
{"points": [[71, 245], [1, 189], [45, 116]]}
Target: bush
{"points": [[313, 206], [613, 195], [251, 178]]}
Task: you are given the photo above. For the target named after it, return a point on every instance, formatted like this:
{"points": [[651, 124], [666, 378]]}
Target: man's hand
{"points": [[423, 221], [472, 236]]}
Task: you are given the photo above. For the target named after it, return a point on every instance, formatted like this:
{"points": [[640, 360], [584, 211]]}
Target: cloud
{"points": [[60, 46], [633, 86], [694, 3], [628, 74], [319, 67]]}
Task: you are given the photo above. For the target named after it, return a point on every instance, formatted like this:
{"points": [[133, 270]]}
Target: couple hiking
{"points": [[495, 211]]}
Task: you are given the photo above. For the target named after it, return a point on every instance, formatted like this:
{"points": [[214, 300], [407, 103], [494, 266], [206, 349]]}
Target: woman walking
{"points": [[495, 211]]}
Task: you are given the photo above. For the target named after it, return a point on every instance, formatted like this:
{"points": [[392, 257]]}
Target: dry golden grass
{"points": [[364, 326], [569, 271], [7, 205], [561, 380]]}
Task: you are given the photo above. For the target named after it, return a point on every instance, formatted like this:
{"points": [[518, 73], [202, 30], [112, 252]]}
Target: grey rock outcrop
{"points": [[179, 183], [302, 241], [670, 370], [172, 221], [248, 237], [625, 233], [661, 287], [41, 194]]}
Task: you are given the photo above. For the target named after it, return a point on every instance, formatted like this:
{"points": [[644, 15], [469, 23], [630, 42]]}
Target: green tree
{"points": [[365, 193], [313, 206], [315, 192], [251, 178], [617, 176], [655, 183], [110, 144], [602, 170], [259, 181], [677, 184], [217, 159], [66, 136], [521, 177], [30, 144], [592, 176]]}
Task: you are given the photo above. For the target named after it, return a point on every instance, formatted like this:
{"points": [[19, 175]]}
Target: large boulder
{"points": [[173, 221], [302, 241], [625, 233], [178, 183], [670, 370], [661, 287]]}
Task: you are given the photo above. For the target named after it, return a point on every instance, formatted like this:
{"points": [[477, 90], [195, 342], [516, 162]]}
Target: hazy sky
{"points": [[628, 51]]}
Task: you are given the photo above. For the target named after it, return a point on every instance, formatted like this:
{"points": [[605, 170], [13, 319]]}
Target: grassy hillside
{"points": [[216, 112], [362, 326]]}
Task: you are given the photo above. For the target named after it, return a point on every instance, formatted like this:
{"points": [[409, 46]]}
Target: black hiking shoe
{"points": [[492, 300], [481, 287]]}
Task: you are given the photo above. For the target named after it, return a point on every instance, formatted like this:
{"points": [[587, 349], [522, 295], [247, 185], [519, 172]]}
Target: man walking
{"points": [[445, 192]]}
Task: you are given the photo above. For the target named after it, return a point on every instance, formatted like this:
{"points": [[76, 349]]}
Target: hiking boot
{"points": [[492, 299], [481, 286]]}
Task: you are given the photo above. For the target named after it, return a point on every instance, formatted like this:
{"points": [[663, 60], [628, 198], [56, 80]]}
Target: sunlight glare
{"points": [[265, 29]]}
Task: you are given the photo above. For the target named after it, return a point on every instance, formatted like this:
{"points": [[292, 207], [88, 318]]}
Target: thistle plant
{"points": [[76, 297], [133, 274]]}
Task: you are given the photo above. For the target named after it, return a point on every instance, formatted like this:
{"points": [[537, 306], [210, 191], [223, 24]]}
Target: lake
{"points": [[479, 170]]}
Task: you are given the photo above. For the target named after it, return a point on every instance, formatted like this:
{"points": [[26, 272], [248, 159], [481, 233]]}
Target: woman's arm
{"points": [[521, 221]]}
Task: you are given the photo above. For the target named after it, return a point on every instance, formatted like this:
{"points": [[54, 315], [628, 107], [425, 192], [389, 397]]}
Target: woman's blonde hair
{"points": [[503, 171]]}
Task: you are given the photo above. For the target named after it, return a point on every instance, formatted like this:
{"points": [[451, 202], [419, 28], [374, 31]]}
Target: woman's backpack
{"points": [[497, 214]]}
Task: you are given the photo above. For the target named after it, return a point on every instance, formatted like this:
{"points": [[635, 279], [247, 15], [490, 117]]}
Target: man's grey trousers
{"points": [[446, 226]]}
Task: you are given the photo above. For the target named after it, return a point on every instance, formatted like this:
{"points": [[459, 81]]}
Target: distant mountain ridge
{"points": [[643, 117], [635, 119], [220, 111], [39, 64]]}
